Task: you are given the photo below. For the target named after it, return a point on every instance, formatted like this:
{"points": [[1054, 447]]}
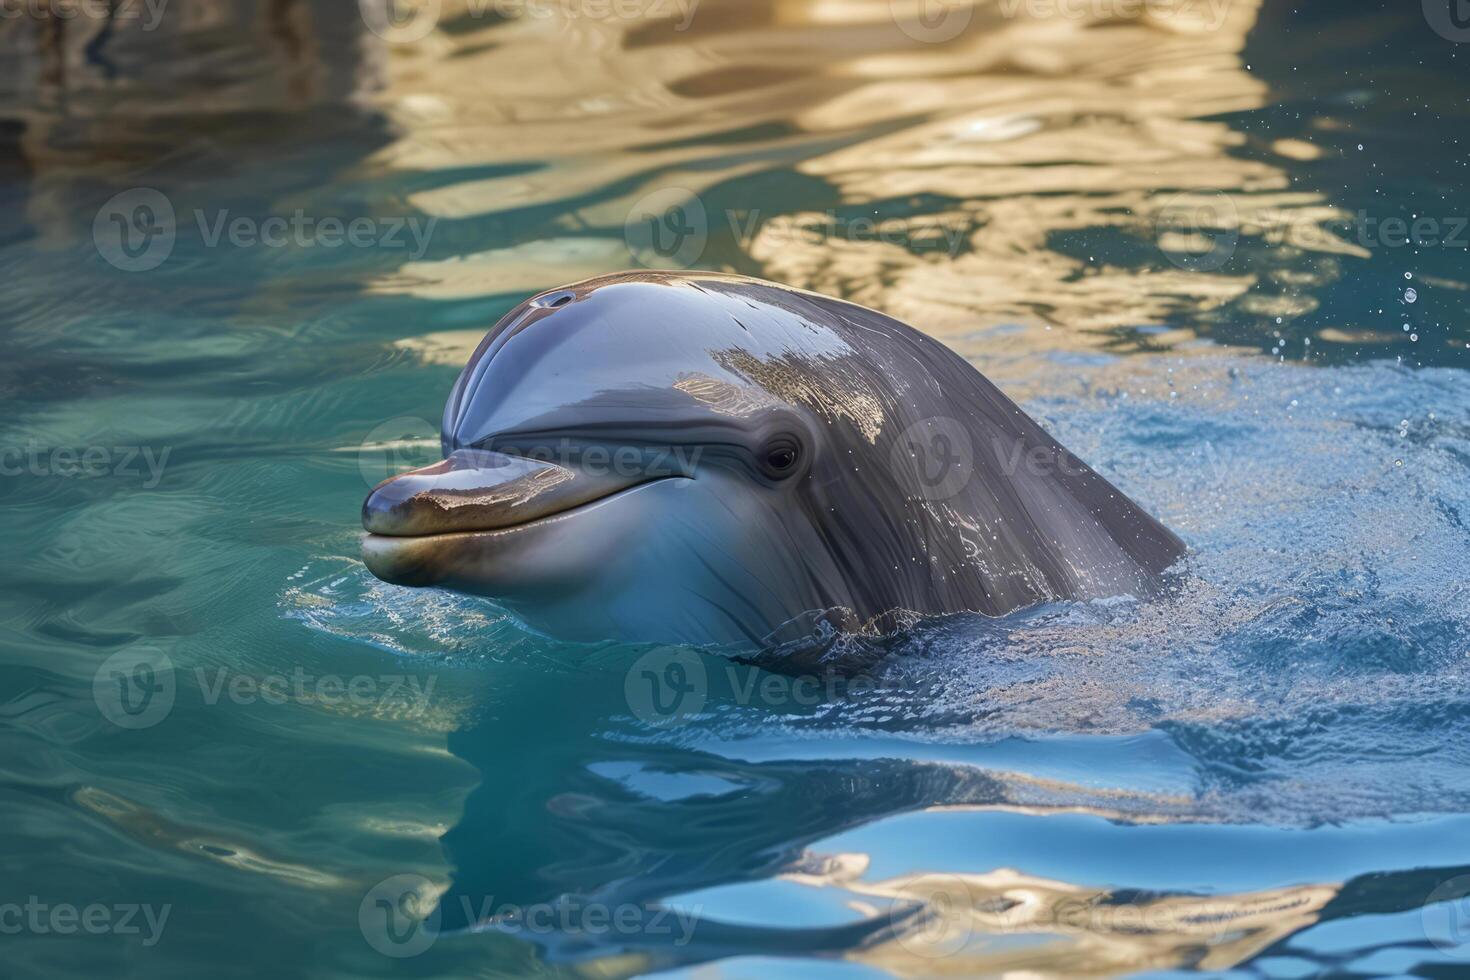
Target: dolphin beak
{"points": [[470, 491]]}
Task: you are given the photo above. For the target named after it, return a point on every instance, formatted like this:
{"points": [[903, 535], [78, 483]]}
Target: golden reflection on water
{"points": [[1066, 168], [1003, 921], [984, 153]]}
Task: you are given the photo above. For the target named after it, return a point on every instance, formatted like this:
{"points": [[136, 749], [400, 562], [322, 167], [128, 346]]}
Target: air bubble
{"points": [[1411, 294]]}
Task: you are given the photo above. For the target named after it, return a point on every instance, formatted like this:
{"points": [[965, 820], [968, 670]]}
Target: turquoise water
{"points": [[227, 750]]}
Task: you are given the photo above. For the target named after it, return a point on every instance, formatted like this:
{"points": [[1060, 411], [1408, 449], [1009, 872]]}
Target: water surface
{"points": [[1162, 231]]}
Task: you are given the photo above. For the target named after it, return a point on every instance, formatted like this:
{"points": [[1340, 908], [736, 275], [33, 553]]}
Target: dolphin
{"points": [[711, 460]]}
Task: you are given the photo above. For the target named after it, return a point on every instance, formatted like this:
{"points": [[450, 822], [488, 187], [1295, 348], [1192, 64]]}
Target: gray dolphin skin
{"points": [[708, 459]]}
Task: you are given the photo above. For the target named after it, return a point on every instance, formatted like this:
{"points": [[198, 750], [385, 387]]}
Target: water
{"points": [[1158, 233]]}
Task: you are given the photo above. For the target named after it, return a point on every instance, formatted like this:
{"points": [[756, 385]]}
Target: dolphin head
{"points": [[614, 470], [708, 459]]}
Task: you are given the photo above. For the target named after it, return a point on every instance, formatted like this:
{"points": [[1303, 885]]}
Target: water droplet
{"points": [[1411, 294]]}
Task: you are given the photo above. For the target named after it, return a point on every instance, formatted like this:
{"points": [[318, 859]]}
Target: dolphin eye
{"points": [[780, 457]]}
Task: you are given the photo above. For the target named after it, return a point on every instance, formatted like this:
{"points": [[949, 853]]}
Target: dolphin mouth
{"points": [[479, 490], [472, 493]]}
